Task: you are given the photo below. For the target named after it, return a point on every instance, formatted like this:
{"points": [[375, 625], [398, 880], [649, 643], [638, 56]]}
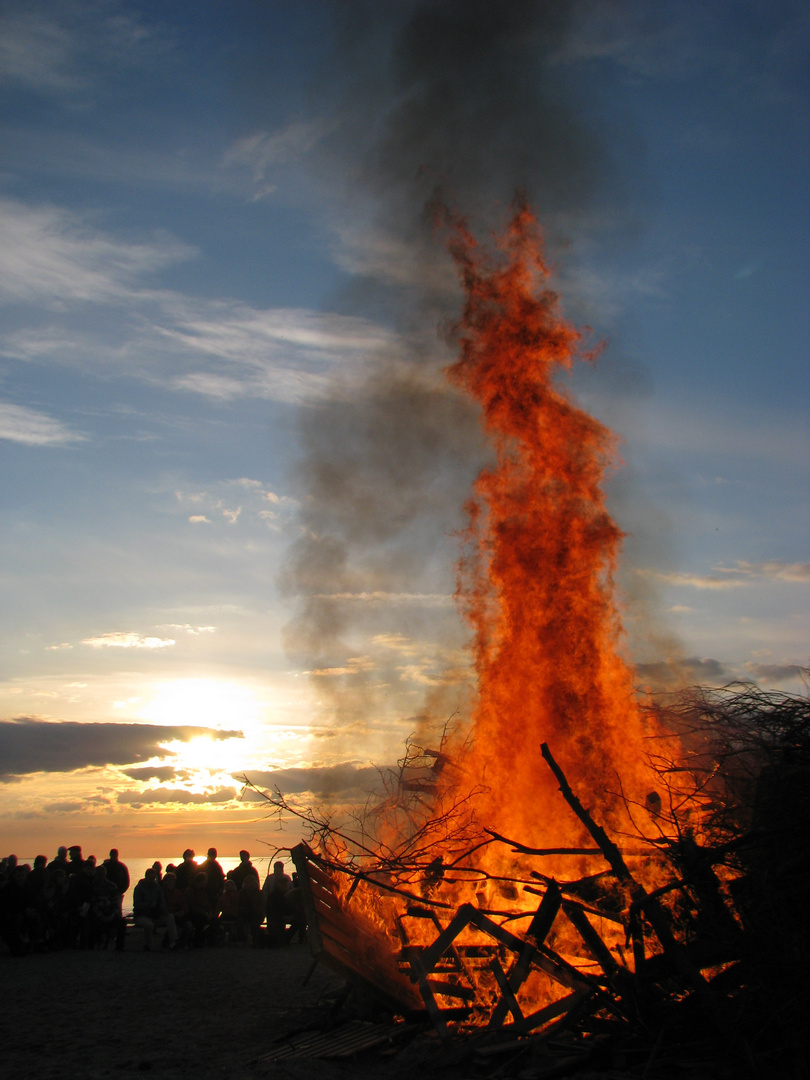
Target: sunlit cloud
{"points": [[23, 425], [695, 581], [216, 502], [777, 571], [31, 746], [741, 575], [121, 640], [426, 675], [212, 703], [355, 665]]}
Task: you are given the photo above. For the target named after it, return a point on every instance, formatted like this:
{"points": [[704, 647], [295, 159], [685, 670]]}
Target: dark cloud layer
{"points": [[180, 796], [162, 773], [685, 671], [29, 746]]}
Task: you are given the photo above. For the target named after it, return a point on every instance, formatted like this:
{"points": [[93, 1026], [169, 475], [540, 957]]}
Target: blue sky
{"points": [[230, 468]]}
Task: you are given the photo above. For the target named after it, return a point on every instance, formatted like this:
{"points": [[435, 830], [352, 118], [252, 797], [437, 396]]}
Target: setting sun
{"points": [[210, 703]]}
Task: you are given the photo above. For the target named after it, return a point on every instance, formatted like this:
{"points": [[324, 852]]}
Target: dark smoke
{"points": [[465, 101]]}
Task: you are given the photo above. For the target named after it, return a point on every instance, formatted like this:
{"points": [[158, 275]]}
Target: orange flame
{"points": [[536, 577]]}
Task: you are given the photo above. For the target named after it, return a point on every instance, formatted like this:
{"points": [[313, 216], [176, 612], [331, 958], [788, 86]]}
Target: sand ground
{"points": [[202, 1013]]}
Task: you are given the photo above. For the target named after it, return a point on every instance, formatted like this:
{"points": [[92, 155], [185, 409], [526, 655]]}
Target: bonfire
{"points": [[580, 870]]}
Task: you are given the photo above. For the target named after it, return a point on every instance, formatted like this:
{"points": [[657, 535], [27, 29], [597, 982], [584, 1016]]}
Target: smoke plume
{"points": [[462, 103]]}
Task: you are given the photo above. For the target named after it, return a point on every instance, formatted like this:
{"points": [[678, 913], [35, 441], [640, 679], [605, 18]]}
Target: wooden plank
{"points": [[550, 1012], [600, 952], [546, 913], [334, 934], [430, 956], [508, 996], [517, 976]]}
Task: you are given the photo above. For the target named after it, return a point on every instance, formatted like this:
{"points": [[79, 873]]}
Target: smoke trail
{"points": [[469, 100]]}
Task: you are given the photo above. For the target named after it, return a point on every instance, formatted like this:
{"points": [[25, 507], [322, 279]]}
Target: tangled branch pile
{"points": [[725, 936]]}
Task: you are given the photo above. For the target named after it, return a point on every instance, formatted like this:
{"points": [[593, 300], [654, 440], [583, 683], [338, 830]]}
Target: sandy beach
{"points": [[211, 1012]]}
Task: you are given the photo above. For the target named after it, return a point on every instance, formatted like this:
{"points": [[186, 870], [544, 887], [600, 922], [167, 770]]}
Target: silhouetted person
{"points": [[187, 871], [12, 909], [228, 914], [106, 919], [117, 871], [80, 897], [214, 876], [201, 912], [60, 862], [250, 911], [274, 890], [148, 906], [243, 870], [76, 862], [296, 915], [177, 921], [35, 902]]}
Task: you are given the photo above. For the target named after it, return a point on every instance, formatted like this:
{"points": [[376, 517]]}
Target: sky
{"points": [[232, 471]]}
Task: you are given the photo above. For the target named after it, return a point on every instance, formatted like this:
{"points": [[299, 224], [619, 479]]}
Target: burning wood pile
{"points": [[525, 972], [585, 877]]}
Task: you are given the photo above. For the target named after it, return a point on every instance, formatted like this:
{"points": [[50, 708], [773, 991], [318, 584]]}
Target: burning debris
{"points": [[530, 973]]}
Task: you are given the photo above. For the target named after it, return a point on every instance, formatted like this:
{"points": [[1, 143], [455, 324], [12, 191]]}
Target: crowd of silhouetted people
{"points": [[77, 903]]}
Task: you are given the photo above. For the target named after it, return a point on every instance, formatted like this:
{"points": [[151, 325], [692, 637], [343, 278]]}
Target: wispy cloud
{"points": [[741, 575], [23, 425], [121, 640], [397, 599], [48, 253], [355, 665], [261, 154], [777, 571], [286, 354], [695, 581], [57, 261], [54, 48]]}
